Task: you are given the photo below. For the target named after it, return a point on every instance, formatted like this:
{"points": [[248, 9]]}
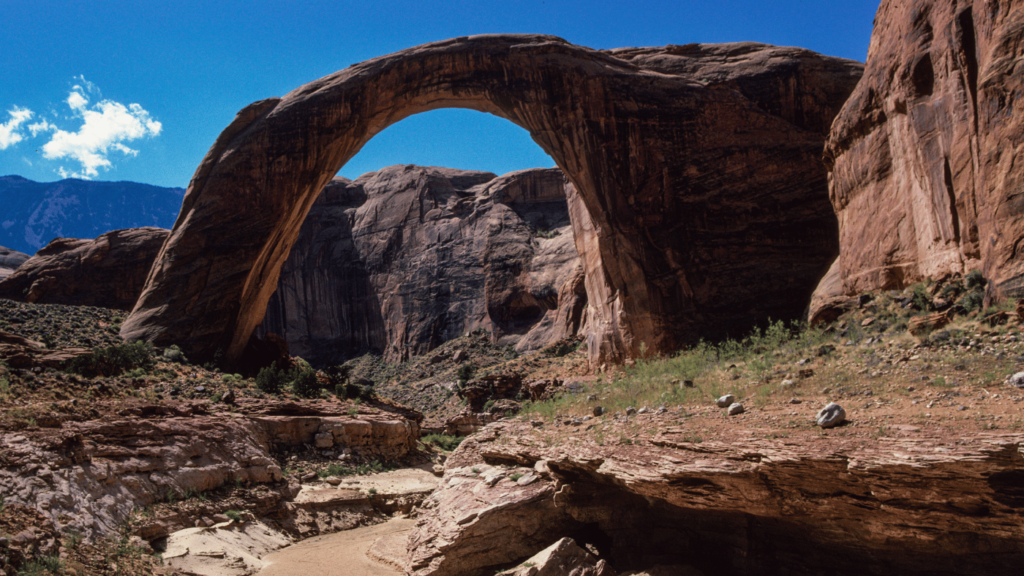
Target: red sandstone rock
{"points": [[108, 272], [922, 169], [88, 476], [705, 201], [907, 505]]}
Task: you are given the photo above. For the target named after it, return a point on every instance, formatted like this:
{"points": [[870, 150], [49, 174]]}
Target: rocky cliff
{"points": [[10, 260], [108, 271], [922, 158], [401, 260], [704, 192]]}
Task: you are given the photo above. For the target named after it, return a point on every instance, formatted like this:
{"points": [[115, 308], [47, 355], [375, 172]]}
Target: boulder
{"points": [[108, 271], [921, 159], [563, 558], [698, 202]]}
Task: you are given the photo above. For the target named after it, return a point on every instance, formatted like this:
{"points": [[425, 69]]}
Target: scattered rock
{"points": [[726, 401], [598, 410], [1016, 380], [630, 411], [736, 408], [831, 416]]}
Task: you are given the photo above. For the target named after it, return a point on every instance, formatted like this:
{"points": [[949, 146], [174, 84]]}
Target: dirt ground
{"points": [[343, 553]]}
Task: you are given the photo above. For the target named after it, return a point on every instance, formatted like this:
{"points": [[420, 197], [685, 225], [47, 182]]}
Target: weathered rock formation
{"points": [[109, 271], [401, 260], [913, 504], [922, 159], [10, 260], [88, 476], [704, 195]]}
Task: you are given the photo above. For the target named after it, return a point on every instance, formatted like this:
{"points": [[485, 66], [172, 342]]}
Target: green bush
{"points": [[174, 354], [270, 380], [973, 300], [305, 383], [234, 515], [114, 360], [466, 371], [920, 297], [443, 441], [975, 280]]}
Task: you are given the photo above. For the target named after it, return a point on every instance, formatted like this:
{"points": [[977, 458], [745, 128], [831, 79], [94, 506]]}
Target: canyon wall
{"points": [[922, 159]]}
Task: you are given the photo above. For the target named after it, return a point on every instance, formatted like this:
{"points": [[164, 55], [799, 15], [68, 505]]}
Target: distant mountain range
{"points": [[36, 212]]}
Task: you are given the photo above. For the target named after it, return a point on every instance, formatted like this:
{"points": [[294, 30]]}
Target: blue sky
{"points": [[140, 90]]}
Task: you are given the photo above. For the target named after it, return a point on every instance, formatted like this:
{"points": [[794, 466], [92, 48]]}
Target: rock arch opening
{"points": [[701, 201]]}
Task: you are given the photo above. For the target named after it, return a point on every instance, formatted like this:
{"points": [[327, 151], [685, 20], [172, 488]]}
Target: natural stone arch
{"points": [[697, 212]]}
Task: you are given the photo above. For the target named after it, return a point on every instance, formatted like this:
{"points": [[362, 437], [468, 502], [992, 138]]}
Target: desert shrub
{"points": [[338, 374], [920, 297], [304, 382], [972, 300], [443, 441], [270, 379], [174, 354], [975, 280], [466, 371], [488, 405], [359, 390], [114, 360], [234, 515]]}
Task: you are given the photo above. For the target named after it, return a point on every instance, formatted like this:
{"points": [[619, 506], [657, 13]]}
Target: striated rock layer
{"points": [[109, 271], [701, 183], [910, 505], [89, 476], [402, 260], [922, 159]]}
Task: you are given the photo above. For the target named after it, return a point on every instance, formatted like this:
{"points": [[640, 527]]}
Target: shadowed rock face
{"points": [[402, 260], [707, 209], [10, 260], [108, 271], [922, 169]]}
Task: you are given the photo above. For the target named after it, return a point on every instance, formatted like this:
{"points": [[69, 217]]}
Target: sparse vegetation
{"points": [[114, 360], [442, 441]]}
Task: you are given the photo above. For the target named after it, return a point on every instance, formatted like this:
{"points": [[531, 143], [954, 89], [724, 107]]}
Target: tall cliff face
{"points": [[401, 260], [922, 159]]}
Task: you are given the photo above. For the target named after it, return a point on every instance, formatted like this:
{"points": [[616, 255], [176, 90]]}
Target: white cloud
{"points": [[106, 126], [9, 131], [41, 126]]}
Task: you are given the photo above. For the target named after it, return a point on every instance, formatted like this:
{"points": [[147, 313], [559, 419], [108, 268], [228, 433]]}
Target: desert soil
{"points": [[341, 553]]}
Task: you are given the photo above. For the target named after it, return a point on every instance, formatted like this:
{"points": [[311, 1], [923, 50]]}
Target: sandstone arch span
{"points": [[700, 203]]}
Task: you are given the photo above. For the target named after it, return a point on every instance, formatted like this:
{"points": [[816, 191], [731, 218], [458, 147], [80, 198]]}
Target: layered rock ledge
{"points": [[912, 504], [88, 476]]}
